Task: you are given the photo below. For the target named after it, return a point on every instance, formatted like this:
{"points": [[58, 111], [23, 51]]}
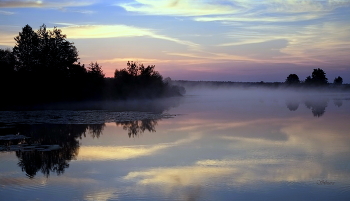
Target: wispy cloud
{"points": [[177, 7], [84, 11], [65, 24], [309, 33], [231, 32], [305, 43], [115, 31], [237, 10], [77, 11], [248, 18]]}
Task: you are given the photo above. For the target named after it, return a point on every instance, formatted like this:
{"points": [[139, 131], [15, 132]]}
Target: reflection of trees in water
{"points": [[96, 129], [50, 161], [135, 128], [67, 137], [292, 105], [64, 135], [318, 107], [338, 102]]}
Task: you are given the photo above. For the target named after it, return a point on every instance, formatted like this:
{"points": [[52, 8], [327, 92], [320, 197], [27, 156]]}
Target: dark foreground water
{"points": [[210, 145]]}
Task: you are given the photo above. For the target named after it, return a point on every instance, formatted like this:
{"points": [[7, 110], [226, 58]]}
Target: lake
{"points": [[211, 144]]}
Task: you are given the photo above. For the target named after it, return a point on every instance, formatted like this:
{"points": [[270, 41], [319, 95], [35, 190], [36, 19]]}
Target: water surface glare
{"points": [[223, 144]]}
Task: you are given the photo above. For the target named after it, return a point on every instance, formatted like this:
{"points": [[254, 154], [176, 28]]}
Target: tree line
{"points": [[317, 78], [44, 67]]}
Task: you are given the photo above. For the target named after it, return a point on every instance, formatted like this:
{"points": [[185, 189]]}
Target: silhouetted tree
{"points": [[292, 79], [47, 67], [338, 80], [317, 78], [95, 71], [26, 49], [95, 83], [56, 53], [43, 68], [77, 82], [139, 81]]}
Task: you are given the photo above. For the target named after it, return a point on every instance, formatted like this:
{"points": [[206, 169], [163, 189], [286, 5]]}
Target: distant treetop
{"points": [[319, 77], [338, 80], [292, 79]]}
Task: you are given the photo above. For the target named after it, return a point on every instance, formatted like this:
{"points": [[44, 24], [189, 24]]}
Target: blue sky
{"points": [[232, 40]]}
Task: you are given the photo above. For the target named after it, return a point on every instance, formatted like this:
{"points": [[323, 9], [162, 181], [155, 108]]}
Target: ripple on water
{"points": [[344, 189], [38, 188]]}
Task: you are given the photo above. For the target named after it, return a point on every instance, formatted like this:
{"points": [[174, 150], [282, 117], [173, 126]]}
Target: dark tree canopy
{"points": [[138, 70], [338, 80], [139, 81], [26, 49], [95, 71], [95, 81], [319, 77], [43, 68], [44, 52], [292, 79]]}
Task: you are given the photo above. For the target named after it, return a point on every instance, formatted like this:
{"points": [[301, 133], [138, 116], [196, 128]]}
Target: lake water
{"points": [[222, 144]]}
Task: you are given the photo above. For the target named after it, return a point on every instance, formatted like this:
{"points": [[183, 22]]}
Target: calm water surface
{"points": [[221, 144]]}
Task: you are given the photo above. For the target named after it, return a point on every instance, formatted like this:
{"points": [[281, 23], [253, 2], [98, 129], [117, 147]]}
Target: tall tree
{"points": [[26, 49], [57, 55], [46, 60], [44, 52]]}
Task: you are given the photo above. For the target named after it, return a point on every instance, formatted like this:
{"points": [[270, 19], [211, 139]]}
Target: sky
{"points": [[209, 40]]}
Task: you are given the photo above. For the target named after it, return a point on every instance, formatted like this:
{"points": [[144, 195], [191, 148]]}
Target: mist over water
{"points": [[256, 101], [214, 143]]}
